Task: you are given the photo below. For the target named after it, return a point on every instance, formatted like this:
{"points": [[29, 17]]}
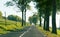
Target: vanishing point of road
{"points": [[32, 32]]}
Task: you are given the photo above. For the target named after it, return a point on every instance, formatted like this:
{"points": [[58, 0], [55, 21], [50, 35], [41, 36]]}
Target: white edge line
{"points": [[25, 32]]}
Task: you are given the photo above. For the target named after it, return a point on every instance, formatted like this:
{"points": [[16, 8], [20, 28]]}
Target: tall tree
{"points": [[44, 5], [47, 13], [34, 19], [40, 15], [23, 5], [39, 7], [30, 20], [54, 30]]}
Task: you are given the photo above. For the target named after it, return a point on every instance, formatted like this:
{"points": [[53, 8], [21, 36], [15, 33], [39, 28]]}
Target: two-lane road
{"points": [[33, 32], [26, 32]]}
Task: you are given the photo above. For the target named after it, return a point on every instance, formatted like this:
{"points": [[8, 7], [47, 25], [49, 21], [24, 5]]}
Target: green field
{"points": [[48, 33], [10, 26]]}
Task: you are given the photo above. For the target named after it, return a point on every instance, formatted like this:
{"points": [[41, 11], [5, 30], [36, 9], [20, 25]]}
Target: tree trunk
{"points": [[40, 20], [44, 23], [47, 22], [47, 19], [22, 17], [25, 18], [47, 15], [54, 30], [40, 13], [25, 12]]}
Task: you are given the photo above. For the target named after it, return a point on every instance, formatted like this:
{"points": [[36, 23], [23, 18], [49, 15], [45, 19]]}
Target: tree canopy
{"points": [[14, 18], [33, 19]]}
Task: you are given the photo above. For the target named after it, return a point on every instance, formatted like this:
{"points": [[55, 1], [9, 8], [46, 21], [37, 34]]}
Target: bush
{"points": [[14, 18]]}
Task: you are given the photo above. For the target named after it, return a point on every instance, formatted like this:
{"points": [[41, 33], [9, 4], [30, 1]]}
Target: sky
{"points": [[12, 10]]}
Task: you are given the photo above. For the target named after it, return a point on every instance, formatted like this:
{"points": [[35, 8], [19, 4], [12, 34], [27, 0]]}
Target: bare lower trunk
{"points": [[47, 19], [25, 16], [22, 18], [40, 14], [44, 23], [40, 20]]}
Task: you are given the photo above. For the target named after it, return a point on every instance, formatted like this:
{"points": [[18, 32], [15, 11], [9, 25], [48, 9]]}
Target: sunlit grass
{"points": [[48, 33], [3, 31], [10, 25]]}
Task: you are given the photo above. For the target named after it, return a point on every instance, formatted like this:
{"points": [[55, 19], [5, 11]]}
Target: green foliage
{"points": [[21, 4], [45, 7], [30, 20], [33, 19], [14, 18], [58, 4], [9, 3]]}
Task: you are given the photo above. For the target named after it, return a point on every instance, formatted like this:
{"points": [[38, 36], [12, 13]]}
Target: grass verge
{"points": [[10, 26], [48, 33]]}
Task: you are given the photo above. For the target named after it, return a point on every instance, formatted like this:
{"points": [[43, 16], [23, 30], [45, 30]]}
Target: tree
{"points": [[40, 15], [30, 20], [22, 5], [38, 6], [48, 9], [14, 18], [54, 30], [47, 14], [34, 19], [43, 5]]}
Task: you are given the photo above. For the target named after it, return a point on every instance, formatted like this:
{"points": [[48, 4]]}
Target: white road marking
{"points": [[25, 32]]}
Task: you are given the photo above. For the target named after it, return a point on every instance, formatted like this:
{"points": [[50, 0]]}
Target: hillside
{"points": [[8, 26]]}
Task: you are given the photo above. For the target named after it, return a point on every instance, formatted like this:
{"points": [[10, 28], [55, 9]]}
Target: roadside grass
{"points": [[3, 31], [48, 33], [10, 26]]}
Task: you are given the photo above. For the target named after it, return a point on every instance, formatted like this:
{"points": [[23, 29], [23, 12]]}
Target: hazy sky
{"points": [[12, 10]]}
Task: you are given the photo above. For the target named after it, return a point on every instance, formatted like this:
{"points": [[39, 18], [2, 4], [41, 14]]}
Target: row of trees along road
{"points": [[33, 19], [22, 5], [45, 9]]}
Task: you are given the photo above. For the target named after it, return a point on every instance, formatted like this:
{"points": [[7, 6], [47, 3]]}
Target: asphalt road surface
{"points": [[33, 32], [15, 33], [26, 32]]}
